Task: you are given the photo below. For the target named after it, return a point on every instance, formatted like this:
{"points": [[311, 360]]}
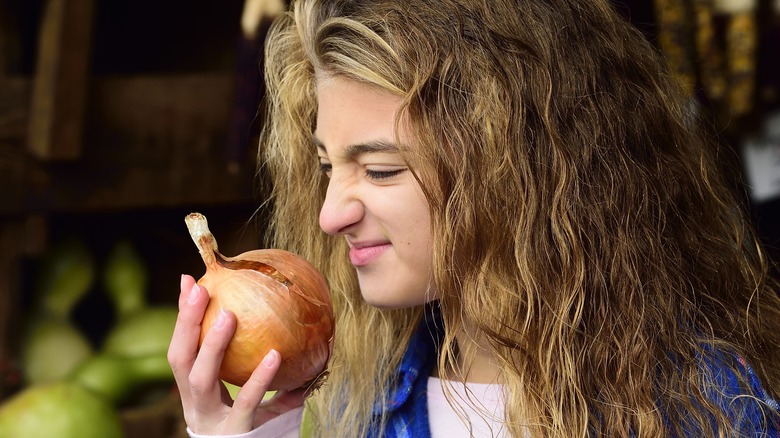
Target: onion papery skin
{"points": [[281, 302]]}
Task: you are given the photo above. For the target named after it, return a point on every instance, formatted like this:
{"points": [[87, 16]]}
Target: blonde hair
{"points": [[580, 218]]}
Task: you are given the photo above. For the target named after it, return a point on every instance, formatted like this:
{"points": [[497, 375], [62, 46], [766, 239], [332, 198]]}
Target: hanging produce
{"points": [[125, 279], [65, 276], [148, 331]]}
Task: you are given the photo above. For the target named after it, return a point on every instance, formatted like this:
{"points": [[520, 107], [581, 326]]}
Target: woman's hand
{"points": [[208, 408]]}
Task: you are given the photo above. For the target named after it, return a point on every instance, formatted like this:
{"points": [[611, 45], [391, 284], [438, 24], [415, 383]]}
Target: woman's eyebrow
{"points": [[353, 150], [374, 146]]}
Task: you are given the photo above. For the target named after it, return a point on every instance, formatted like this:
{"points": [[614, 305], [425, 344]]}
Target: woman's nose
{"points": [[341, 210]]}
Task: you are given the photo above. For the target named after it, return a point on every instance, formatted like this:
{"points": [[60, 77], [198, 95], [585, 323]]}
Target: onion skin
{"points": [[281, 302]]}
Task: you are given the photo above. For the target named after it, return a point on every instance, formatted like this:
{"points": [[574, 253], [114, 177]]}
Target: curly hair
{"points": [[581, 219]]}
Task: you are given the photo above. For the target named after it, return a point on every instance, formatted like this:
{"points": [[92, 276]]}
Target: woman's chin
{"points": [[385, 299]]}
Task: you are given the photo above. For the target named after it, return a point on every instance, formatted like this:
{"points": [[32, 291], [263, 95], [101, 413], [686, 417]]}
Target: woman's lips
{"points": [[365, 254]]}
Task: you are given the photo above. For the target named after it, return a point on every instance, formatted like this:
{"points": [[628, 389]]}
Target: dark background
{"points": [[170, 127]]}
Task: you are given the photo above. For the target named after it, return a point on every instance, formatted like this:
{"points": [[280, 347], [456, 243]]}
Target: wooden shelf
{"points": [[149, 141]]}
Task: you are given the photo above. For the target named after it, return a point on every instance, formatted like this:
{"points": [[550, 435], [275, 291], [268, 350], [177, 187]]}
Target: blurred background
{"points": [[119, 118], [116, 120]]}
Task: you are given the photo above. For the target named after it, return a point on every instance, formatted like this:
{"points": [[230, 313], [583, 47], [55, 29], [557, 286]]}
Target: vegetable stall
{"points": [[115, 121]]}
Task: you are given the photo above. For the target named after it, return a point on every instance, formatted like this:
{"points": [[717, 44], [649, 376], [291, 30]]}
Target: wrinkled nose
{"points": [[342, 209]]}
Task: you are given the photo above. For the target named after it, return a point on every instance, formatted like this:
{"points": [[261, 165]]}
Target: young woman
{"points": [[526, 233]]}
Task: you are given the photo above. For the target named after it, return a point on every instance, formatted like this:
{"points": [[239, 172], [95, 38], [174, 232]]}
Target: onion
{"points": [[281, 302]]}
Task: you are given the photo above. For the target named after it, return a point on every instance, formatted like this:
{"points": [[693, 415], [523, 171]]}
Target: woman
{"points": [[527, 233]]}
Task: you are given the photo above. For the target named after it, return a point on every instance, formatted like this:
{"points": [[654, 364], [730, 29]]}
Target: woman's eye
{"points": [[383, 174], [326, 168]]}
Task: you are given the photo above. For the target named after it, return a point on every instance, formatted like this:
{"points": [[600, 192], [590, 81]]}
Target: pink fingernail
{"points": [[194, 293], [221, 320], [270, 359]]}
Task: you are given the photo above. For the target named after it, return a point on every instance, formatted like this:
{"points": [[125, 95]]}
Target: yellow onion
{"points": [[281, 302]]}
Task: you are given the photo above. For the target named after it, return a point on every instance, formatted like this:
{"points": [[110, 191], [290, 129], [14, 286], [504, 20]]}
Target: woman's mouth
{"points": [[362, 255]]}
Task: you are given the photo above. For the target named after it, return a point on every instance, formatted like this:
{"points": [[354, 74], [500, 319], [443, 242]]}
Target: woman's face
{"points": [[373, 200]]}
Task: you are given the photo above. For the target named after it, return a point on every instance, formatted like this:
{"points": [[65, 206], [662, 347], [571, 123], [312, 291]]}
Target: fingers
{"points": [[283, 401], [185, 286], [196, 370], [251, 394], [186, 334], [205, 386]]}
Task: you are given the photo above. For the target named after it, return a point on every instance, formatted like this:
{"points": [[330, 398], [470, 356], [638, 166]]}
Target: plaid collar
{"points": [[406, 405], [754, 411]]}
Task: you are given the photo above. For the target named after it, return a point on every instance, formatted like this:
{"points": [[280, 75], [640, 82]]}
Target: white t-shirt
{"points": [[481, 403]]}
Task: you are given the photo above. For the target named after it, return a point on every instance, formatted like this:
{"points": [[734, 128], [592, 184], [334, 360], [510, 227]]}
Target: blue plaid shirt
{"points": [[408, 405]]}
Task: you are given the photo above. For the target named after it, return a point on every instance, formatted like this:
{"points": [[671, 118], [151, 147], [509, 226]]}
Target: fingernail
{"points": [[270, 359], [221, 319], [194, 293]]}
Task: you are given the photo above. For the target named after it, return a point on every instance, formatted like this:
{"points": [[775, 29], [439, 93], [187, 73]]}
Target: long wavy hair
{"points": [[580, 217]]}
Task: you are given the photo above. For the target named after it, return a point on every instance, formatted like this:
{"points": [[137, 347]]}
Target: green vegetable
{"points": [[133, 361], [52, 349], [147, 331], [118, 379], [62, 410], [65, 275], [125, 278]]}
